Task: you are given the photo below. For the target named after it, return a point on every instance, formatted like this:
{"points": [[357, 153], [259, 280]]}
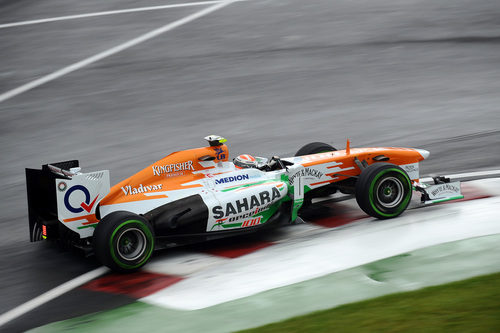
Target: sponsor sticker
{"points": [[129, 190], [306, 172], [444, 190], [77, 199], [227, 223], [62, 186], [220, 153], [251, 222], [170, 169], [255, 202], [231, 179], [85, 205], [412, 170]]}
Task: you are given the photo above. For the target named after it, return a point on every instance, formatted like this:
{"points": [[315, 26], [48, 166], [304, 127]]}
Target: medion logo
{"points": [[129, 190], [231, 179], [161, 169]]}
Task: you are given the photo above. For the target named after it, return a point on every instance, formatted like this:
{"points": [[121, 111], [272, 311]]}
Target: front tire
{"points": [[123, 241], [315, 148], [383, 190]]}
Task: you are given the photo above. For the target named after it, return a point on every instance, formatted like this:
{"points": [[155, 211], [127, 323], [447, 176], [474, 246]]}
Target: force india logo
{"points": [[158, 170], [245, 204], [247, 223]]}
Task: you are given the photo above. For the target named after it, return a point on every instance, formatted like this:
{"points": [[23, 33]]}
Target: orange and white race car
{"points": [[198, 194]]}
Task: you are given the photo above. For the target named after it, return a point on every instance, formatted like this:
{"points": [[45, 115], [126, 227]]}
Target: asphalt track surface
{"points": [[268, 75]]}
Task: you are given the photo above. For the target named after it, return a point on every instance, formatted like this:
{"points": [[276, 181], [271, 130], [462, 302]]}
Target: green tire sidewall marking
{"points": [[403, 204], [149, 237]]}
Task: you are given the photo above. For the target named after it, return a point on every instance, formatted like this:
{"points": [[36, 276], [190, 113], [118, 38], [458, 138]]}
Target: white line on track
{"points": [[133, 42], [110, 12], [467, 176], [51, 294]]}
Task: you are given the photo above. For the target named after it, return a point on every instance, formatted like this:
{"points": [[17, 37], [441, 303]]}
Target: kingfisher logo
{"points": [[86, 205], [158, 170]]}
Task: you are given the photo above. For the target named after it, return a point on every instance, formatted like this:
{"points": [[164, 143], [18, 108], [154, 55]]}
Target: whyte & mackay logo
{"points": [[306, 172]]}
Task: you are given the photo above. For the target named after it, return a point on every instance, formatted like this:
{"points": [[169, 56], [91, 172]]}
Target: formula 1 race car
{"points": [[197, 195]]}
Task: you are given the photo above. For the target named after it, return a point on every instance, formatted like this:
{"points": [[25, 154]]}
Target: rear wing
{"points": [[62, 201]]}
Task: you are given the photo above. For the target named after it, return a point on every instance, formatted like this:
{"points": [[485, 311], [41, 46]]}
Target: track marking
{"points": [[136, 285], [330, 251], [110, 12], [51, 294], [164, 267], [133, 42], [467, 176]]}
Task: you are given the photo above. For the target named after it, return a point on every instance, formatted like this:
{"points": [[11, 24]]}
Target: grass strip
{"points": [[471, 305]]}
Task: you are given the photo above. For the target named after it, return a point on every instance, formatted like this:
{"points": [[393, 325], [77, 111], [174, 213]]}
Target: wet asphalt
{"points": [[270, 76]]}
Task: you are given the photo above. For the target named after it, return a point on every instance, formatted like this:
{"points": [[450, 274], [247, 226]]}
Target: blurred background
{"points": [[269, 75]]}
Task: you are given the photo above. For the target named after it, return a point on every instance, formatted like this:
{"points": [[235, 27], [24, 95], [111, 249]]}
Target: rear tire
{"points": [[383, 190], [123, 241], [315, 148]]}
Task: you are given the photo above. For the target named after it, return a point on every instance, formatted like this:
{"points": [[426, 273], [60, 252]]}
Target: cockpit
{"points": [[246, 161]]}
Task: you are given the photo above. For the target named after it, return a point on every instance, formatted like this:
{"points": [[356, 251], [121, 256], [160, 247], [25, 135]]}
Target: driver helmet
{"points": [[245, 161]]}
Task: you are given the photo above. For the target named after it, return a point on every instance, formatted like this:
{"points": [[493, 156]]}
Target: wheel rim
{"points": [[389, 192], [131, 244]]}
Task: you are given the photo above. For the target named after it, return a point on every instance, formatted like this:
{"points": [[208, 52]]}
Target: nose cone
{"points": [[423, 152]]}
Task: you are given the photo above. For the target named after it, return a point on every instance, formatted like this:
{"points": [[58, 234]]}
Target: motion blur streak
{"points": [[109, 12], [270, 76]]}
